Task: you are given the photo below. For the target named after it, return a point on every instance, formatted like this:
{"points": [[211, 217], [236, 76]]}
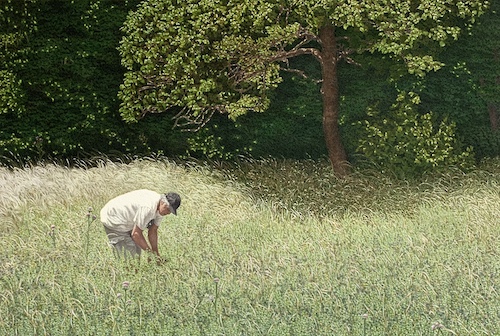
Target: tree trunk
{"points": [[330, 94]]}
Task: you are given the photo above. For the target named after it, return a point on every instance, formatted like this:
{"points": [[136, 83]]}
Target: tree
{"points": [[200, 57]]}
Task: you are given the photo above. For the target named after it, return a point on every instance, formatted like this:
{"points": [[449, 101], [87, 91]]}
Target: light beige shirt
{"points": [[138, 207]]}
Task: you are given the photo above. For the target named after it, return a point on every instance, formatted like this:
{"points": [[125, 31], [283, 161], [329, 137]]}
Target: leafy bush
{"points": [[408, 143], [468, 85], [11, 96], [487, 141], [58, 89]]}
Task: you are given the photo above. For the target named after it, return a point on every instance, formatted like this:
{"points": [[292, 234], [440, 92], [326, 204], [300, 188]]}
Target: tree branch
{"points": [[282, 56], [189, 122]]}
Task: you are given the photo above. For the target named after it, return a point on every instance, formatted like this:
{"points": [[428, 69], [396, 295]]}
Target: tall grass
{"points": [[262, 248]]}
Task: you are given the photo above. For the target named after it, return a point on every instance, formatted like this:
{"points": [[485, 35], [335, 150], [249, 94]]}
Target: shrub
{"points": [[409, 143]]}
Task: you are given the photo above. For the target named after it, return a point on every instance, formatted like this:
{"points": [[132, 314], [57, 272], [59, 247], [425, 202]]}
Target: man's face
{"points": [[163, 209]]}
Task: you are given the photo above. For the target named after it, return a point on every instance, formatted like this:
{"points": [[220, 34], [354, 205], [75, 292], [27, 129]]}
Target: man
{"points": [[125, 217]]}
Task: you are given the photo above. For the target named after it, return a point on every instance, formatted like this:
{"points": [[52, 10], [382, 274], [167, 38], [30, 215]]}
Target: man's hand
{"points": [[151, 255], [138, 238]]}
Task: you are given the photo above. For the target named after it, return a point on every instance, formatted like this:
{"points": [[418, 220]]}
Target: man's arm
{"points": [[153, 238], [139, 240]]}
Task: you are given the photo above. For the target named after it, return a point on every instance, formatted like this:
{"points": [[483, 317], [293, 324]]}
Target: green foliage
{"points": [[17, 20], [291, 128], [361, 86], [60, 73], [207, 57], [411, 144], [203, 57], [61, 98], [468, 85], [11, 95], [207, 144], [181, 57], [16, 23], [486, 142]]}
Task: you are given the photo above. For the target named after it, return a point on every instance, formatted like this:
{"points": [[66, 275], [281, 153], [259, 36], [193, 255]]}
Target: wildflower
{"points": [[52, 227], [365, 316], [129, 302], [216, 280], [125, 285], [119, 295], [92, 217]]}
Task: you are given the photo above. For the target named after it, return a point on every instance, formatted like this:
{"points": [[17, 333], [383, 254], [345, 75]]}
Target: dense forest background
{"points": [[60, 72]]}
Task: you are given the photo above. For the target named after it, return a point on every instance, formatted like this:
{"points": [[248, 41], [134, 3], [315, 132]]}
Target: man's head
{"points": [[169, 203]]}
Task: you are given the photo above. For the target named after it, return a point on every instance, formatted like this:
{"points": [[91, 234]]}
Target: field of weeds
{"points": [[265, 247]]}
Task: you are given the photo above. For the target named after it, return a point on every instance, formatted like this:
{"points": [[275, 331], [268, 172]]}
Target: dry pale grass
{"points": [[272, 248], [41, 189]]}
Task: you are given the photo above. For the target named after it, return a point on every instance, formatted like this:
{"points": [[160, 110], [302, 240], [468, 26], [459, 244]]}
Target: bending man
{"points": [[125, 217]]}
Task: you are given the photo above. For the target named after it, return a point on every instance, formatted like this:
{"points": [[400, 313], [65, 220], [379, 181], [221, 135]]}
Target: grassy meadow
{"points": [[269, 247]]}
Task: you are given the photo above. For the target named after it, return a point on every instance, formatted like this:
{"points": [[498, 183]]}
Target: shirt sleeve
{"points": [[142, 217], [157, 220]]}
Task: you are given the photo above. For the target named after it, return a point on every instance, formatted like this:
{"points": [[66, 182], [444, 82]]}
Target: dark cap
{"points": [[174, 201]]}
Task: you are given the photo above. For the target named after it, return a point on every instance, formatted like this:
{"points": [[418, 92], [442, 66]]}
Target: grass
{"points": [[260, 248]]}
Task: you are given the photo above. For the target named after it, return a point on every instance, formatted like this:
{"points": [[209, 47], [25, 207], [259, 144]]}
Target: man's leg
{"points": [[122, 243]]}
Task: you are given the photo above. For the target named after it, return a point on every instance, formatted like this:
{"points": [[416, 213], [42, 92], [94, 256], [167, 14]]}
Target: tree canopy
{"points": [[195, 58]]}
